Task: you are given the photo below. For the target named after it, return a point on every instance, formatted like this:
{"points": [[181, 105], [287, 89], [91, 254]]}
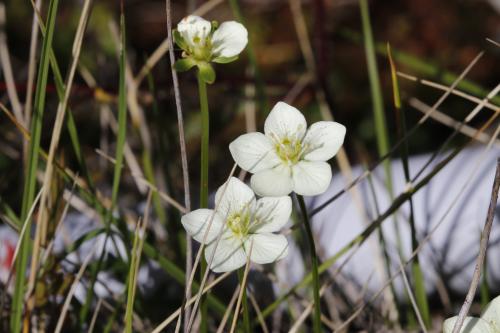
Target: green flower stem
{"points": [[314, 259], [202, 87], [244, 302]]}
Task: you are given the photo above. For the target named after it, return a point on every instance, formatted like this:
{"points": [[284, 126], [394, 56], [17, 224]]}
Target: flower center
{"points": [[200, 48], [289, 150], [239, 223]]}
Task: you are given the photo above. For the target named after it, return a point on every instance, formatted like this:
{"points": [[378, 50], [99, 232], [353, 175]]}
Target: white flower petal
{"points": [[491, 313], [471, 325], [193, 26], [272, 214], [197, 221], [229, 39], [285, 121], [273, 182], [236, 196], [229, 254], [266, 247], [311, 178], [253, 152], [324, 139]]}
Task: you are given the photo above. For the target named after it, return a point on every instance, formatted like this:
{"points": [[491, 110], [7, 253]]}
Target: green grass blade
{"points": [[131, 281], [30, 180], [376, 91], [381, 132], [314, 267], [418, 279], [147, 162], [70, 122], [119, 154], [484, 288], [122, 122]]}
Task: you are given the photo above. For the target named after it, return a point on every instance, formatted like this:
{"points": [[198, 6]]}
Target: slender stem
{"points": [[184, 163], [202, 88], [314, 260], [485, 236], [244, 302]]}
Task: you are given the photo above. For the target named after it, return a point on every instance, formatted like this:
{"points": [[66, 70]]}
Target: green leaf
{"points": [[206, 71], [184, 64], [178, 39], [225, 60]]}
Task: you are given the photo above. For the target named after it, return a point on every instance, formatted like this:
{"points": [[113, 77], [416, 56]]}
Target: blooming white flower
{"points": [[203, 42], [489, 322], [243, 220], [289, 157]]}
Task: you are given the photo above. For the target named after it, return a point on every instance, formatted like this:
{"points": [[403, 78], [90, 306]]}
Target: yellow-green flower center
{"points": [[238, 223], [201, 49], [289, 150]]}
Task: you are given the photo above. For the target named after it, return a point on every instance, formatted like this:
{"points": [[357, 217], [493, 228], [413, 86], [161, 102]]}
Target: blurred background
{"points": [[429, 39], [309, 53]]}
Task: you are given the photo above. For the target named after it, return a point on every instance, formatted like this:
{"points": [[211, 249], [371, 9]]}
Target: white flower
{"points": [[243, 220], [289, 157], [205, 41], [489, 322]]}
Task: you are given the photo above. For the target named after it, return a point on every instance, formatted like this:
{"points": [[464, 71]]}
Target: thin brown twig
{"points": [[493, 42], [412, 298], [94, 316], [182, 143], [168, 199], [485, 101], [443, 87], [174, 315], [223, 322], [31, 69], [79, 275], [257, 309], [485, 236], [7, 69], [452, 87], [200, 250], [242, 289], [21, 233], [446, 120]]}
